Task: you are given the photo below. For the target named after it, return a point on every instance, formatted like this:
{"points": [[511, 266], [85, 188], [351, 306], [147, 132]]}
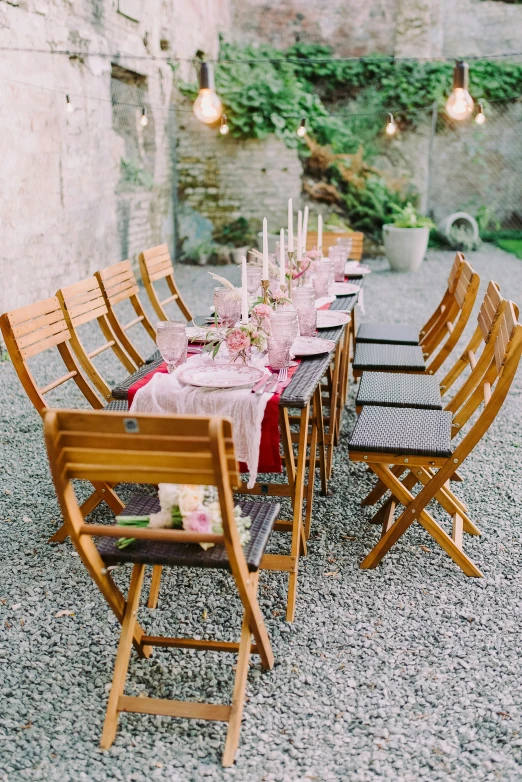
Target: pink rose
{"points": [[237, 340], [198, 521], [262, 311]]}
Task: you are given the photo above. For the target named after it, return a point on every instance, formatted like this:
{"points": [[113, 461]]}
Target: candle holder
{"points": [[265, 285], [292, 255]]}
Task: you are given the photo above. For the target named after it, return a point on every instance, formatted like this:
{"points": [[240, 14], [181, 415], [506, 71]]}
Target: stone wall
{"points": [[65, 208], [221, 179]]}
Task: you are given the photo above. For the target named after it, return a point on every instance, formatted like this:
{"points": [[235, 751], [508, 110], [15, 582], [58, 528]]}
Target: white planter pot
{"points": [[236, 253], [405, 247]]}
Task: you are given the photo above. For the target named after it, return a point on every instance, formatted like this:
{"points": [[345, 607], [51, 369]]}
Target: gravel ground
{"points": [[408, 672]]}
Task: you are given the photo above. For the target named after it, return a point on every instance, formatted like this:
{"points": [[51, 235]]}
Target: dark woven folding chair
{"points": [[392, 440], [407, 334], [424, 391], [118, 284], [83, 303], [156, 265], [172, 449], [28, 332], [437, 342]]}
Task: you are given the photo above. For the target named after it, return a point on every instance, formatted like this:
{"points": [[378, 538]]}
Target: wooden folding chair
{"points": [[83, 303], [31, 330], [156, 264], [330, 240], [118, 284], [425, 391], [440, 336], [391, 440], [153, 449]]}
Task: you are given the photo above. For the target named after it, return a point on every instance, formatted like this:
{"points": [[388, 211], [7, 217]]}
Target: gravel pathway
{"points": [[408, 672]]}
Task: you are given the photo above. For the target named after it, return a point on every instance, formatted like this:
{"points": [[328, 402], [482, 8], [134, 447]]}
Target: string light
{"points": [[391, 126], [68, 105], [481, 117], [144, 120], [207, 106], [224, 125], [301, 130], [460, 103]]}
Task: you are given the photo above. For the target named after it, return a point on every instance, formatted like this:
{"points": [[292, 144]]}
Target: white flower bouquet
{"points": [[189, 507]]}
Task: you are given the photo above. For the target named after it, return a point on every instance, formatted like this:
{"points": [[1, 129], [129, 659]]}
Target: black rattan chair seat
{"points": [[391, 358], [155, 357], [388, 333], [403, 431], [117, 404], [151, 552], [398, 390]]}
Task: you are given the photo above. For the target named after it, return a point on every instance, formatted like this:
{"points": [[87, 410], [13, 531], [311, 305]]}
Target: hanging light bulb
{"points": [[144, 120], [207, 106], [391, 126], [460, 103], [481, 117], [224, 125], [301, 130], [68, 105]]}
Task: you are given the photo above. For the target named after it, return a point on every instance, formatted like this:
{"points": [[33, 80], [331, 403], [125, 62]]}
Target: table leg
{"points": [[297, 532]]}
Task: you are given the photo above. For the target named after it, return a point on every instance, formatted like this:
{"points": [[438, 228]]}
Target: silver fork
{"points": [[283, 375]]}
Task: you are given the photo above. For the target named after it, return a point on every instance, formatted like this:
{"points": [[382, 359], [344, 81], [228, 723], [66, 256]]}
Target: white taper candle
{"points": [[305, 229], [244, 291], [299, 235], [290, 226], [265, 249], [282, 277]]}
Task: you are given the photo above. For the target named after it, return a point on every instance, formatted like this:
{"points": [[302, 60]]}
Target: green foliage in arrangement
{"points": [[408, 217]]}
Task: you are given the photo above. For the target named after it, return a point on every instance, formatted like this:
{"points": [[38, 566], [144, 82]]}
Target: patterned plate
{"points": [[221, 376], [201, 334], [329, 319], [344, 288], [311, 346]]}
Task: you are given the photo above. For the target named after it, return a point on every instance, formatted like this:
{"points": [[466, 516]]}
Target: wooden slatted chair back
{"points": [[118, 284], [487, 382], [31, 330], [83, 303], [446, 331], [155, 265], [446, 299], [491, 309], [330, 240], [146, 449]]}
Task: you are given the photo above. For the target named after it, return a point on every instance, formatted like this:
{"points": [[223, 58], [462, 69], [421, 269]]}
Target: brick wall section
{"points": [[221, 178]]}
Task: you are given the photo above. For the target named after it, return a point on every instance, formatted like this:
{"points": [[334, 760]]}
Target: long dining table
{"points": [[308, 428]]}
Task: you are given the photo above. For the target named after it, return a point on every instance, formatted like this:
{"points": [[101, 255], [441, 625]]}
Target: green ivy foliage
{"points": [[270, 96]]}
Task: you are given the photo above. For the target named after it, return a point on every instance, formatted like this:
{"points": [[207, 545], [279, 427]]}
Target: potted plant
{"points": [[406, 239], [237, 235]]}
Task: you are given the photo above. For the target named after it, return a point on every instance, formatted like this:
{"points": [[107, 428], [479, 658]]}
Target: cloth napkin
{"points": [[164, 394], [323, 301]]}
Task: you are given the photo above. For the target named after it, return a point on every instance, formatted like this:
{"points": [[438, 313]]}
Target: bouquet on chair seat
{"points": [[189, 507]]}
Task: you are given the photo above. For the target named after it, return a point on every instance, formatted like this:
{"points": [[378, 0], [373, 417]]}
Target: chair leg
{"points": [[155, 583], [238, 696], [297, 531], [406, 519], [380, 488], [121, 665]]}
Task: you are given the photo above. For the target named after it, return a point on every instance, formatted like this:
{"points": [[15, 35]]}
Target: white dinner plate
{"points": [[353, 268], [311, 346], [344, 288], [329, 319], [221, 376]]}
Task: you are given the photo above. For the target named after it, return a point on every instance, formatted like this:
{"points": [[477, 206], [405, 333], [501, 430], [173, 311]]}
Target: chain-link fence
{"points": [[478, 168]]}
